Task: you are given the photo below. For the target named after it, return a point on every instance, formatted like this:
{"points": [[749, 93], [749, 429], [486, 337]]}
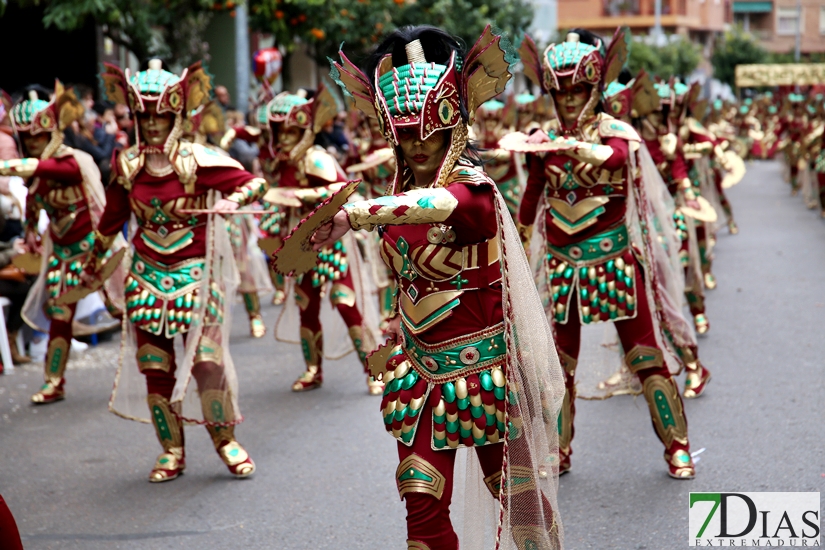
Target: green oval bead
{"points": [[395, 385], [568, 273], [611, 293], [464, 433], [610, 265], [439, 443], [583, 293], [452, 427], [565, 289], [407, 437], [486, 380], [399, 415], [388, 419], [448, 392], [409, 380], [499, 393], [412, 413], [480, 441], [491, 419], [477, 412], [439, 418], [463, 404], [602, 288]]}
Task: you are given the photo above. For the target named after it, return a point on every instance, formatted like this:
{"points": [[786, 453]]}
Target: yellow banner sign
{"points": [[801, 74]]}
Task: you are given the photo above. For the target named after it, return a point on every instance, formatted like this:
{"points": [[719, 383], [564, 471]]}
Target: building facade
{"points": [[699, 20], [774, 23]]}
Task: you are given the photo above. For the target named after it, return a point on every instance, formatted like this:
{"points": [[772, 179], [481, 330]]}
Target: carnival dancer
{"points": [[659, 133], [205, 122], [638, 97], [793, 126], [273, 224], [464, 296], [724, 135], [306, 175], [65, 183], [578, 192], [182, 276], [816, 151]]}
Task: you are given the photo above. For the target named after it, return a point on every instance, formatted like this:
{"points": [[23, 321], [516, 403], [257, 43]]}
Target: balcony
{"points": [[636, 14]]}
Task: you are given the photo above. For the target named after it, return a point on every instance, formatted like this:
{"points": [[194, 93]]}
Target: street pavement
{"points": [[74, 475]]}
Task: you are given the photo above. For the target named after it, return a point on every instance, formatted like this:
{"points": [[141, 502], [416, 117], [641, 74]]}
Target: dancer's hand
{"points": [[225, 206], [331, 231], [394, 329]]}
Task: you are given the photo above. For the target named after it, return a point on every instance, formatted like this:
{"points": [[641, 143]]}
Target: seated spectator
{"points": [[14, 285]]}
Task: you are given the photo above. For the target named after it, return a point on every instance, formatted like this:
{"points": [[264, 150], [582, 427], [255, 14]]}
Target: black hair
{"points": [[42, 93], [590, 38], [625, 76]]}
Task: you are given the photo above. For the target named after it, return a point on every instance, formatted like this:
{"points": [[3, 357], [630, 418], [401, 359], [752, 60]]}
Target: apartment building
{"points": [[774, 23], [699, 20]]}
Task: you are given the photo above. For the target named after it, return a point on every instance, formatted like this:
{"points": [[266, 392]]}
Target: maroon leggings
{"points": [[9, 535], [428, 519]]}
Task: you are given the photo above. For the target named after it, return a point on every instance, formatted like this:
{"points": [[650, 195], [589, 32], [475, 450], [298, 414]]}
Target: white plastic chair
{"points": [[5, 350]]}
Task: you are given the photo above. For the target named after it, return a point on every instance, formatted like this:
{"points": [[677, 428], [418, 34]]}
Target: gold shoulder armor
{"points": [[614, 128], [468, 175], [129, 163], [697, 128], [320, 164], [207, 157]]}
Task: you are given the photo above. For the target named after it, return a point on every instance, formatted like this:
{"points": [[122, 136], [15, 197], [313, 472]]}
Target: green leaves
{"points": [[676, 58], [735, 47]]}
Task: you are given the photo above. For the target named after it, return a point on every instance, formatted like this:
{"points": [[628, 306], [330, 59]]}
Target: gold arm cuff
{"points": [[227, 139], [418, 206], [23, 168], [249, 192], [591, 153]]}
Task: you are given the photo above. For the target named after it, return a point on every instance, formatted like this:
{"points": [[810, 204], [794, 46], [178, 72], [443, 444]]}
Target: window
{"points": [[822, 20], [786, 21]]}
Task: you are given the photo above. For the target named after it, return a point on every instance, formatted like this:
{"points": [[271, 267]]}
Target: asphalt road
{"points": [[75, 475]]}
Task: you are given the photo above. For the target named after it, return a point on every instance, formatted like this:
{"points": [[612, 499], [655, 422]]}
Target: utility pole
{"points": [[657, 22], [798, 44], [241, 58]]}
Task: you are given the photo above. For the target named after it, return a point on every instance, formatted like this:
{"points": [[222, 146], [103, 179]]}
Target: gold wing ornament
{"points": [[645, 98], [617, 53], [296, 256], [486, 69], [68, 106], [354, 83], [81, 291], [114, 84], [529, 54], [197, 86], [324, 109]]}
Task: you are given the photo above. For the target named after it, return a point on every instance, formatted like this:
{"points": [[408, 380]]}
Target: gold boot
{"points": [[257, 329], [701, 323], [567, 412], [312, 345], [219, 414], [55, 366], [16, 357], [171, 462]]}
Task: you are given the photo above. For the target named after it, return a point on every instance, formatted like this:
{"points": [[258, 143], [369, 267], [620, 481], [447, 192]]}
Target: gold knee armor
{"points": [[416, 475]]}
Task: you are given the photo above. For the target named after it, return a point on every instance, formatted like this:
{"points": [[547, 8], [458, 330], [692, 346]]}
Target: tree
{"points": [[165, 28], [360, 24], [735, 47], [678, 57]]}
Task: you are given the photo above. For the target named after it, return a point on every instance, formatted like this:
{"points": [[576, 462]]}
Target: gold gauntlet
{"points": [[590, 153], [227, 139], [100, 247], [525, 232], [23, 168], [430, 205], [248, 192]]}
